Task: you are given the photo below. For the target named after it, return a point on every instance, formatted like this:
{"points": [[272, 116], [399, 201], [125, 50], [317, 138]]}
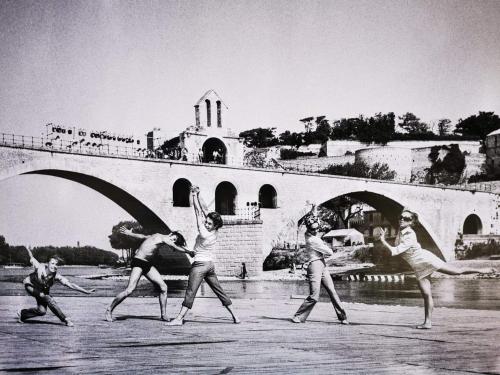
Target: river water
{"points": [[456, 293]]}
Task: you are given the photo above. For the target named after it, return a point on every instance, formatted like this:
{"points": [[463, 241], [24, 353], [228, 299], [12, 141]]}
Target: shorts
{"points": [[144, 265]]}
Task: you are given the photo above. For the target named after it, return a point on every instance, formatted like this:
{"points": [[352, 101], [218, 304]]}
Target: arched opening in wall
{"points": [[473, 225], [209, 113], [214, 151], [268, 197], [219, 119], [225, 198], [180, 192], [362, 212], [145, 216]]}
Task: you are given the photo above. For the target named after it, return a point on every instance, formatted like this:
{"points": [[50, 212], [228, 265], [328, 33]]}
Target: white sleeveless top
{"points": [[204, 246]]}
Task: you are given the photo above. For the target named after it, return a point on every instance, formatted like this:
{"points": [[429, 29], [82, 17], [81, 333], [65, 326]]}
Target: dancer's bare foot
{"points": [[107, 316], [176, 322], [425, 325], [165, 319], [19, 319], [344, 321], [69, 323], [236, 320], [296, 319]]}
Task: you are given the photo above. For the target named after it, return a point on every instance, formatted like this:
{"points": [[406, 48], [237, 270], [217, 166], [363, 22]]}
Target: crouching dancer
{"points": [[38, 284], [141, 265]]}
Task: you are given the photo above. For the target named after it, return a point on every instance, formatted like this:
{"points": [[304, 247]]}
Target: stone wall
{"points": [[240, 242], [398, 159]]}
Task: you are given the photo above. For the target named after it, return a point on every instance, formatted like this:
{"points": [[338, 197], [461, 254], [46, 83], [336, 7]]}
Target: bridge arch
{"points": [[214, 151], [268, 198], [225, 198], [390, 207], [180, 192], [472, 225]]}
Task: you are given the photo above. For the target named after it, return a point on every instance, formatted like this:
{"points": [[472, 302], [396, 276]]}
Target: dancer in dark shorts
{"points": [[141, 265], [38, 285], [203, 267], [422, 261]]}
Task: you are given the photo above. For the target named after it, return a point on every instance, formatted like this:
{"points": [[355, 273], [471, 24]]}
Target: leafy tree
{"points": [[444, 125], [308, 124], [291, 139], [412, 124], [445, 169], [259, 137], [344, 209], [323, 130], [125, 243], [478, 125], [347, 128], [378, 129], [378, 171]]}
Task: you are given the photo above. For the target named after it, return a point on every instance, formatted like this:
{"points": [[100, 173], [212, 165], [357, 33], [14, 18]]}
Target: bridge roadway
{"points": [[144, 188], [380, 340]]}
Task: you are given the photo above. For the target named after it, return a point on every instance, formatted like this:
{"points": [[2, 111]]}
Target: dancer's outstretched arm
{"points": [[408, 240], [128, 232], [176, 247], [64, 281], [35, 263]]}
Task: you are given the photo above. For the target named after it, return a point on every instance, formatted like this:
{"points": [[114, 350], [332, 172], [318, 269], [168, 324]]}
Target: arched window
{"points": [[219, 120], [473, 225], [268, 197], [225, 198], [214, 151], [209, 113], [180, 192]]}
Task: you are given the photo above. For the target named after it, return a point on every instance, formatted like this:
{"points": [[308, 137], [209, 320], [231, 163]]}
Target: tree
{"points": [[444, 125], [308, 124], [378, 171], [412, 124], [259, 137], [378, 129], [446, 167], [478, 126], [344, 208], [347, 128], [122, 242], [291, 139], [323, 129]]}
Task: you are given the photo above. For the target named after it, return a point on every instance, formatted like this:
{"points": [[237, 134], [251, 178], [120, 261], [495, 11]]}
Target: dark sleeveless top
{"points": [[44, 283]]}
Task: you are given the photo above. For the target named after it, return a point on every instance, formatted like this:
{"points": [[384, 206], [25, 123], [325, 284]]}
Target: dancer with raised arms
{"points": [[317, 272], [422, 261], [141, 265], [38, 285], [203, 267]]}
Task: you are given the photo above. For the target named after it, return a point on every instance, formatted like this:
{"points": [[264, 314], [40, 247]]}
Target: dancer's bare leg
{"points": [[135, 275], [236, 320], [154, 276], [425, 288], [179, 319], [451, 270]]}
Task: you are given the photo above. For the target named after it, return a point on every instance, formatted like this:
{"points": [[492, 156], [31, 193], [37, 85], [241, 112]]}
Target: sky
{"points": [[126, 67]]}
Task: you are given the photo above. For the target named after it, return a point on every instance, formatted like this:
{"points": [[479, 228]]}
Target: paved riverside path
{"points": [[380, 339]]}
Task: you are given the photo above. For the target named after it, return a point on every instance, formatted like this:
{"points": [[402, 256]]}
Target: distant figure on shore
{"points": [[243, 274], [422, 261], [317, 272], [38, 284], [141, 265], [203, 267]]}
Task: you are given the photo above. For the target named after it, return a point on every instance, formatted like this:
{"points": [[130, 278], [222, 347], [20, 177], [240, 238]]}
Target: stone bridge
{"points": [[155, 191]]}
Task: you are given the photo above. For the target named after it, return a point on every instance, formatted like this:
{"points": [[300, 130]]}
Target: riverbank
{"points": [[379, 340]]}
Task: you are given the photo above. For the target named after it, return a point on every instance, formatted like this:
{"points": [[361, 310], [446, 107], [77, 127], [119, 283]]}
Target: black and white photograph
{"points": [[250, 187]]}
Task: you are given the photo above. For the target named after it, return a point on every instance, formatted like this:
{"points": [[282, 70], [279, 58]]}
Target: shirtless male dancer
{"points": [[38, 284], [141, 266]]}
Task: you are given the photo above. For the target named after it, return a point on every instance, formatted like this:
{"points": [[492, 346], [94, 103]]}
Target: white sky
{"points": [[127, 67]]}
